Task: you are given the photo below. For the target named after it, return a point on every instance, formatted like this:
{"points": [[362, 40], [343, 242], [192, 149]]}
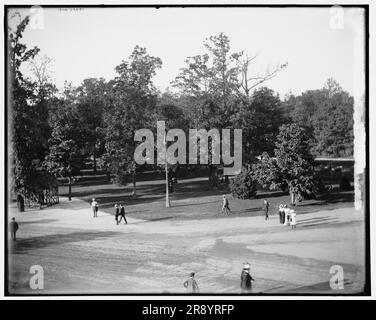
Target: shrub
{"points": [[243, 186]]}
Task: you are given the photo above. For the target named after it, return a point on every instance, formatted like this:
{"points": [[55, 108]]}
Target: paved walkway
{"points": [[82, 254]]}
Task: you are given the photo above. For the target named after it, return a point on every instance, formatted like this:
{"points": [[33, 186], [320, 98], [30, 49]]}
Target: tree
{"points": [[215, 92], [23, 117], [91, 101], [249, 82], [130, 106], [327, 115], [65, 157], [292, 165], [260, 118], [243, 186], [42, 100]]}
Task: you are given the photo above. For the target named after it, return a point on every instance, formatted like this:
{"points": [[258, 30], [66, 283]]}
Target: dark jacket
{"points": [[245, 280], [13, 226], [122, 211]]}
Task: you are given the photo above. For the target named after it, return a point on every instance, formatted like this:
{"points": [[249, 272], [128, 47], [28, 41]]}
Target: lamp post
{"points": [[166, 169]]}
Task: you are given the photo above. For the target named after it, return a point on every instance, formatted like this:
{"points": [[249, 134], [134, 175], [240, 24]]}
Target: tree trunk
{"points": [[70, 190], [292, 198]]}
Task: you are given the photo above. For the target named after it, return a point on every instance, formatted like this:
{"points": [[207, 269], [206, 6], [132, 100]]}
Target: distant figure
{"points": [[266, 209], [288, 212], [13, 227], [280, 213], [191, 284], [293, 219], [284, 209], [122, 214], [20, 203], [94, 207], [117, 213], [225, 206], [246, 279]]}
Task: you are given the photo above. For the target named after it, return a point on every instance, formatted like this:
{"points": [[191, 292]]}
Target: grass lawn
{"points": [[193, 199]]}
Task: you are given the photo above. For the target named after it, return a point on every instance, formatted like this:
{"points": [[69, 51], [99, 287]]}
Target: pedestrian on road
{"points": [[13, 227], [284, 209], [122, 214], [266, 209], [191, 284], [246, 279], [288, 212], [117, 213], [280, 212], [225, 206], [94, 207], [293, 219]]}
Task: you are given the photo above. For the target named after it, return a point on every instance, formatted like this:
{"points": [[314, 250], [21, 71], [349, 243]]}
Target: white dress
{"points": [[293, 219]]}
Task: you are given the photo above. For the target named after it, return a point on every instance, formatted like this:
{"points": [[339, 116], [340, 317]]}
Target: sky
{"points": [[91, 42]]}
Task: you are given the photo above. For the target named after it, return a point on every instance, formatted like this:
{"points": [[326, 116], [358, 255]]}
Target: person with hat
{"points": [[94, 207], [225, 206], [246, 279], [266, 209], [13, 227], [280, 212], [122, 214], [117, 213], [288, 212], [191, 284]]}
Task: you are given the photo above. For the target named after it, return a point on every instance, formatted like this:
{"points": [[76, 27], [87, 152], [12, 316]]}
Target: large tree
{"points": [[292, 166], [327, 114], [130, 106], [24, 117], [91, 101], [259, 117], [68, 139]]}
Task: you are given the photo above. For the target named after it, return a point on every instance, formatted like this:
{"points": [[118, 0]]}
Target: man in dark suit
{"points": [[122, 214], [117, 213], [13, 227], [246, 279]]}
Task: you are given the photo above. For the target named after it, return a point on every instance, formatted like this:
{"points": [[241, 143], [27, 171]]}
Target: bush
{"points": [[243, 186]]}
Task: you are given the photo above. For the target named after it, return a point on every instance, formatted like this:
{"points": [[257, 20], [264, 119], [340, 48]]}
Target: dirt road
{"points": [[82, 254]]}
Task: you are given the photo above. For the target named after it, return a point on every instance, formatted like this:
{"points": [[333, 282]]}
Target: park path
{"points": [[94, 255]]}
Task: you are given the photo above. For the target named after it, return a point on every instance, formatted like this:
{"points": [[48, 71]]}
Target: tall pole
{"points": [[166, 169]]}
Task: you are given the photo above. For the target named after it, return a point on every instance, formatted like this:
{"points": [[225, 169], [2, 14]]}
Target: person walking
{"points": [[122, 214], [13, 227], [191, 284], [266, 209], [94, 207], [246, 279], [280, 212], [284, 209], [287, 216], [117, 213], [225, 206]]}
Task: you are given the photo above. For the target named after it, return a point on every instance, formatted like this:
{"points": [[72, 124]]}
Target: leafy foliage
{"points": [[292, 165], [131, 106], [327, 114], [243, 186]]}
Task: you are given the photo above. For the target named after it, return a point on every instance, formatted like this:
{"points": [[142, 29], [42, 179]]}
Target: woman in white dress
{"points": [[293, 219]]}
